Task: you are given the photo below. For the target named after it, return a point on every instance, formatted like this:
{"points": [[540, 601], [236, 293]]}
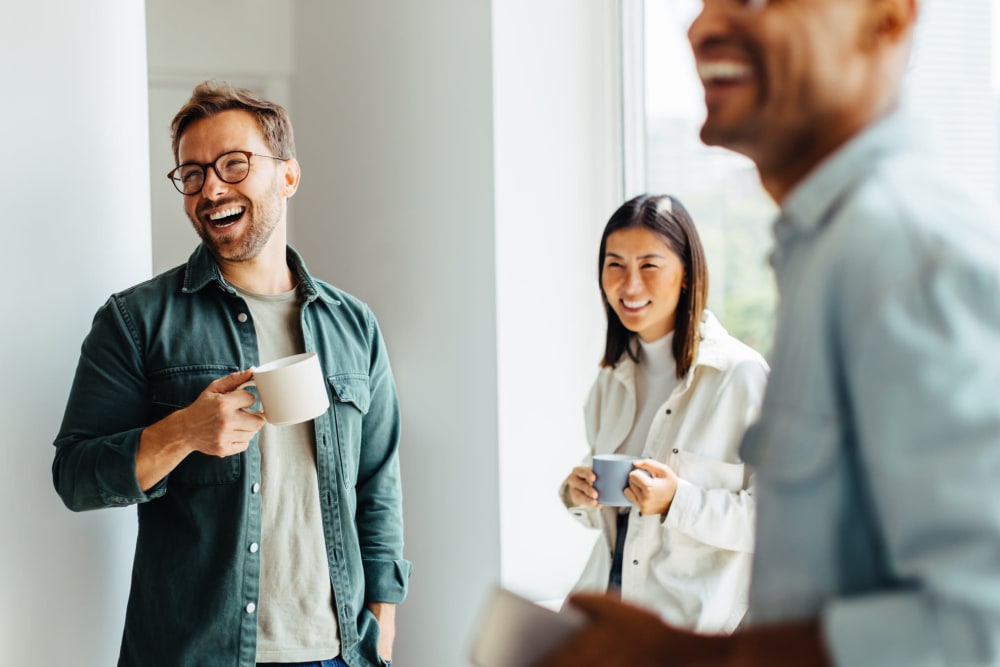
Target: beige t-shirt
{"points": [[296, 621]]}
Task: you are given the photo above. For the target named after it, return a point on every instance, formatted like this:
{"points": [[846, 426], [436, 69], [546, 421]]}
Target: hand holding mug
{"points": [[651, 486], [215, 423], [581, 487], [613, 472]]}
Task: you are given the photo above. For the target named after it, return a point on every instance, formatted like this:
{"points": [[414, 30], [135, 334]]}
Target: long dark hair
{"points": [[667, 217]]}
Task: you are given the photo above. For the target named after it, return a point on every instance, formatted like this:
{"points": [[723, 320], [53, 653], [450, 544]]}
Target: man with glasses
{"points": [[877, 450], [258, 544]]}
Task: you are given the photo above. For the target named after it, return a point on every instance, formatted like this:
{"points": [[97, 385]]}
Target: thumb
{"points": [[654, 468], [231, 382]]}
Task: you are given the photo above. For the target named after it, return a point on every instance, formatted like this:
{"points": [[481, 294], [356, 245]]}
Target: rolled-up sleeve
{"points": [[94, 463], [380, 512]]}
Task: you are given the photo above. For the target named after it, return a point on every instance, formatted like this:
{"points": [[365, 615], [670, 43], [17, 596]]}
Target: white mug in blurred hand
{"points": [[291, 389]]}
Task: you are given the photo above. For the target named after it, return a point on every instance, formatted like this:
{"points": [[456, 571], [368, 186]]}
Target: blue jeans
{"points": [[335, 662]]}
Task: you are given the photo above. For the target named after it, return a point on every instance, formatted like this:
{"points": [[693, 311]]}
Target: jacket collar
{"points": [[202, 270], [711, 353]]}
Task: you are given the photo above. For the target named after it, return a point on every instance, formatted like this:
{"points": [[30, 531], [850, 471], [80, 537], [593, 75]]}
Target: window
{"points": [[950, 87]]}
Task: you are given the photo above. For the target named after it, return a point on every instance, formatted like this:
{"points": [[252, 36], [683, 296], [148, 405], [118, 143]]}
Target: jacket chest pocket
{"points": [[709, 473], [175, 388], [351, 400]]}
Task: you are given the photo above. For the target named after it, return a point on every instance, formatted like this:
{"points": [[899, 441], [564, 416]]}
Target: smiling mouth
{"points": [[720, 72], [635, 305], [227, 216]]}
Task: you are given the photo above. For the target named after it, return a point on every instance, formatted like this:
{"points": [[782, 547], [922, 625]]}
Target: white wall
{"points": [[76, 227], [393, 116]]}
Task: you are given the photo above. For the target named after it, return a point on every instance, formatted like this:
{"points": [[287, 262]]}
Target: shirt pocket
{"points": [[351, 400], [174, 388], [709, 473], [792, 447]]}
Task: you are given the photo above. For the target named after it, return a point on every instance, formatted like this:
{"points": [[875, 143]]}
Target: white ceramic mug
{"points": [[291, 389]]}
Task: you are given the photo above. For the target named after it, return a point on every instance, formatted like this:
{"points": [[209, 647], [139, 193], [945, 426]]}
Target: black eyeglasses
{"points": [[230, 167]]}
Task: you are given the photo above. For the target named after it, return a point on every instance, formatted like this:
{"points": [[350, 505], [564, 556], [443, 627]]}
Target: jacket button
{"points": [[251, 608], [254, 548], [255, 488], [242, 317]]}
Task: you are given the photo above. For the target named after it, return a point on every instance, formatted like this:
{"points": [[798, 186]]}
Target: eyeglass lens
{"points": [[230, 167]]}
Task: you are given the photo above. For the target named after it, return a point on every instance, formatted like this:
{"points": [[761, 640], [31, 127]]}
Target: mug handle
{"points": [[250, 410]]}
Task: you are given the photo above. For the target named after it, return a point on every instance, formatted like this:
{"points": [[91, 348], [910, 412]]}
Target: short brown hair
{"points": [[212, 97], [665, 216]]}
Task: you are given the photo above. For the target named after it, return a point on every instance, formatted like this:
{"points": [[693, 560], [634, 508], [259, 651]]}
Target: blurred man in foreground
{"points": [[878, 447]]}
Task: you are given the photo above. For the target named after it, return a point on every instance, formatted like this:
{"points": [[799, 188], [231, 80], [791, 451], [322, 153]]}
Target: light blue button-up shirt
{"points": [[878, 447]]}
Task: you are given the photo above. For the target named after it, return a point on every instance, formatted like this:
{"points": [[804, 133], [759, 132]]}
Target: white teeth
{"points": [[723, 70], [635, 304], [225, 213]]}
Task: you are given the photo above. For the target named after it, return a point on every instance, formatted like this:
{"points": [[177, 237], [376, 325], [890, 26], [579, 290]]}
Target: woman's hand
{"points": [[581, 487], [654, 492]]}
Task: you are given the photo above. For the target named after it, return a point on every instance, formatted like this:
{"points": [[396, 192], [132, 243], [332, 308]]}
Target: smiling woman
{"points": [[674, 393], [641, 279]]}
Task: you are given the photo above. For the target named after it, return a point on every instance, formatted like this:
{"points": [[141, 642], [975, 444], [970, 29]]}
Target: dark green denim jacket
{"points": [[152, 349]]}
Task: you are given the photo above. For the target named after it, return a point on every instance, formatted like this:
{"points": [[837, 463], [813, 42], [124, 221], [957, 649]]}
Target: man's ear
{"points": [[290, 180], [890, 21]]}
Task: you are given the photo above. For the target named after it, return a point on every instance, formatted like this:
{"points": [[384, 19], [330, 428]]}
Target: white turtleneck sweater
{"points": [[655, 380]]}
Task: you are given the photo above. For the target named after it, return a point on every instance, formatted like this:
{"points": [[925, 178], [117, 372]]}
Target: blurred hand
{"points": [[622, 635], [581, 487], [654, 492]]}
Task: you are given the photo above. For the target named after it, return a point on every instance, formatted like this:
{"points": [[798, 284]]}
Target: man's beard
{"points": [[262, 218]]}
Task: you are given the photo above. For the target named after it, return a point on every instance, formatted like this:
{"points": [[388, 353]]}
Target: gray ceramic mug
{"points": [[612, 472]]}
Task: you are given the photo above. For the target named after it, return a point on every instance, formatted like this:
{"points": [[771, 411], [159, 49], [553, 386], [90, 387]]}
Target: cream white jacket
{"points": [[691, 565]]}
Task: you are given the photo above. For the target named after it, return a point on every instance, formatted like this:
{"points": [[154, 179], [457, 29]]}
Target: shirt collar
{"points": [[712, 350], [808, 204], [202, 270], [816, 199]]}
